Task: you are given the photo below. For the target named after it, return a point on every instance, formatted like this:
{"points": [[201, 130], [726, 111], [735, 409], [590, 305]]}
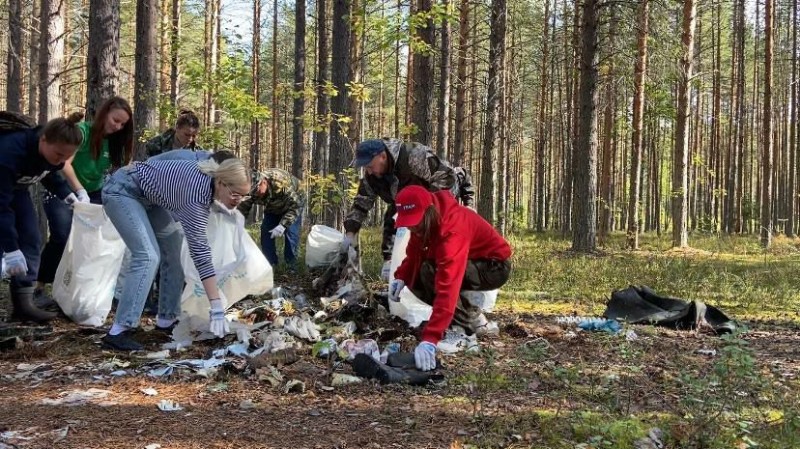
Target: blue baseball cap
{"points": [[367, 150]]}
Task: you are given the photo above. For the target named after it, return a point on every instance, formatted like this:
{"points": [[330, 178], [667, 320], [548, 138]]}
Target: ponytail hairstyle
{"points": [[187, 117], [232, 172], [428, 226], [64, 130], [120, 144]]}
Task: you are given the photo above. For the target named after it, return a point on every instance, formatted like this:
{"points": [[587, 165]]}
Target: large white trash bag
{"points": [[412, 309], [84, 282], [240, 266], [322, 246], [409, 308]]}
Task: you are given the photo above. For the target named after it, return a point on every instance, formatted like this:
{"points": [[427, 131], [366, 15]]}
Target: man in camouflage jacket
{"points": [[283, 200], [463, 189], [390, 165]]}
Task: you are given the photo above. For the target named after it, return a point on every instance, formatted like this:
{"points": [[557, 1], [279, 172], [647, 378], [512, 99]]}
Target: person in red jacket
{"points": [[451, 249]]}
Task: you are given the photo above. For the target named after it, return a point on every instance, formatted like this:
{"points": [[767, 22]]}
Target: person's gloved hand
{"points": [[71, 199], [395, 288], [83, 197], [347, 242], [218, 324], [387, 267], [277, 231], [15, 263], [425, 356]]}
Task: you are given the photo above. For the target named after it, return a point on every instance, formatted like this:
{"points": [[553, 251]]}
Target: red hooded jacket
{"points": [[463, 235]]}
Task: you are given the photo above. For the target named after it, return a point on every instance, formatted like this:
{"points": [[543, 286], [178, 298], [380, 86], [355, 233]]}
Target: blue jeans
{"points": [[153, 238], [59, 222], [291, 243], [28, 238]]}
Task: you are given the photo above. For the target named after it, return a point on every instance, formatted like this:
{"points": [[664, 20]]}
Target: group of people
{"points": [[451, 248]]}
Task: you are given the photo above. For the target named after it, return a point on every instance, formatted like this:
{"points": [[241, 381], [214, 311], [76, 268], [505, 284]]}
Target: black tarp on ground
{"points": [[641, 305]]}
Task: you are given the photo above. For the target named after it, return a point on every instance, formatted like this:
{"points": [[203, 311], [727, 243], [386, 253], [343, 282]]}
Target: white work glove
{"points": [[71, 199], [425, 356], [347, 242], [15, 263], [217, 206], [395, 288], [387, 267], [218, 325], [277, 231], [83, 197]]}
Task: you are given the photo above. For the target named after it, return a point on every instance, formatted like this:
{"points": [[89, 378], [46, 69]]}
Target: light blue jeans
{"points": [[152, 237]]}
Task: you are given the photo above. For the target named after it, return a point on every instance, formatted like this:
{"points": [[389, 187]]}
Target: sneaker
{"points": [[121, 342]]}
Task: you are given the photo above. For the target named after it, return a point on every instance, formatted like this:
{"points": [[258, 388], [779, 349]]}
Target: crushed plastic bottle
{"points": [[600, 324]]}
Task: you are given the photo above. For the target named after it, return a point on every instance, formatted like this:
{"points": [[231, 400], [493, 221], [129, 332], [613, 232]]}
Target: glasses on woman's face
{"points": [[236, 196]]}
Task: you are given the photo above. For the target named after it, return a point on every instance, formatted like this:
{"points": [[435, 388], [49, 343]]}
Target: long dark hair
{"points": [[120, 144], [428, 226]]}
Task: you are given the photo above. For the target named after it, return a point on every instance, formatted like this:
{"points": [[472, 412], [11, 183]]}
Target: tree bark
{"points": [[255, 126], [340, 153], [273, 143], [103, 53], [541, 143], [422, 74], [584, 221], [443, 121], [488, 194], [145, 81], [175, 38], [354, 74], [14, 60], [460, 134], [767, 137], [299, 109], [323, 53], [638, 108], [792, 185], [680, 173], [51, 58]]}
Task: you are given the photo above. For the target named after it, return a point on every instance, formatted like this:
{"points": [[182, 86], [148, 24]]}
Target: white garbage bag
{"points": [[322, 246], [85, 278], [240, 266], [412, 309], [409, 308]]}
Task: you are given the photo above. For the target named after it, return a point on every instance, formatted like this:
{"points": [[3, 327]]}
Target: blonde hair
{"points": [[232, 172]]}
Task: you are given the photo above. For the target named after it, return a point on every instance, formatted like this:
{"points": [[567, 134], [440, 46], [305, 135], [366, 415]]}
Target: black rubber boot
{"points": [[367, 367], [25, 309]]}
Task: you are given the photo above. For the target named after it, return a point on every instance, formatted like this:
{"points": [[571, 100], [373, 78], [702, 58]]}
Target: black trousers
{"points": [[480, 275]]}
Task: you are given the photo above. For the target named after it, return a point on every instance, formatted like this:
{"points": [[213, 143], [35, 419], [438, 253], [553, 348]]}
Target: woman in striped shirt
{"points": [[141, 200]]}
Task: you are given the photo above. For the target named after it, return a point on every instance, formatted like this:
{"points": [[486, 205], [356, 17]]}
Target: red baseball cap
{"points": [[411, 203]]}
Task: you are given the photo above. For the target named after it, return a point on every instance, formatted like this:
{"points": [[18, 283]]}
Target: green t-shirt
{"points": [[90, 172]]}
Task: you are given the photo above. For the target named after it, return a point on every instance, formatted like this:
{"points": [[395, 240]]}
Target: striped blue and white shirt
{"points": [[181, 188]]}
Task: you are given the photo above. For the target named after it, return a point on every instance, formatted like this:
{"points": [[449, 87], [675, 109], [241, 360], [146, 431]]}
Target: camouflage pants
{"points": [[480, 275]]}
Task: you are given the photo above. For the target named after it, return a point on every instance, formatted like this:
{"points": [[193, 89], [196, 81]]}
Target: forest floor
{"points": [[539, 384]]}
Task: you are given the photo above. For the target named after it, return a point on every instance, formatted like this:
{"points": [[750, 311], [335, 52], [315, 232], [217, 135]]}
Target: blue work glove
{"points": [[277, 231], [395, 288], [425, 356], [218, 324], [15, 263]]}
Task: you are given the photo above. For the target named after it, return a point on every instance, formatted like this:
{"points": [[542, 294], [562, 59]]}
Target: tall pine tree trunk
{"points": [[767, 137], [273, 141], [792, 187], [103, 53], [145, 82], [51, 58], [299, 108], [255, 126], [443, 121], [488, 195], [422, 75], [340, 153], [14, 60], [680, 171], [460, 134], [541, 144], [175, 37], [638, 108], [323, 53]]}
